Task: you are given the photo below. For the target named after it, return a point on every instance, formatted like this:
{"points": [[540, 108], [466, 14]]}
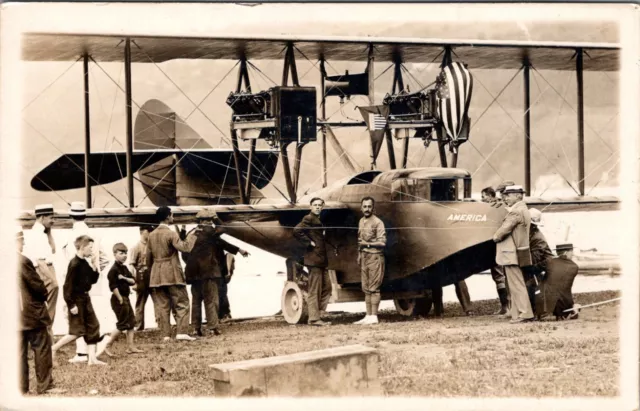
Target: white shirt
{"points": [[36, 244]]}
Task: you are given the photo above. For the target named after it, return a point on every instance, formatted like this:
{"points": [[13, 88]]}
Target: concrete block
{"points": [[342, 371]]}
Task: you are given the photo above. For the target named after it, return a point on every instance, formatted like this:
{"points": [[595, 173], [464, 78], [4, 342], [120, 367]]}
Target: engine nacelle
{"points": [[279, 115]]}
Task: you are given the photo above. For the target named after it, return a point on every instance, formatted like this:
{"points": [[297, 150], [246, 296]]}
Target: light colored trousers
{"points": [[520, 305]]}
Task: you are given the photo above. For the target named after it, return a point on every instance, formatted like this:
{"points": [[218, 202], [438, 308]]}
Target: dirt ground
{"points": [[482, 355]]}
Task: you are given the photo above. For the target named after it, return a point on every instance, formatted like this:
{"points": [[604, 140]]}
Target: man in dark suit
{"points": [[34, 320], [206, 268], [512, 251], [555, 290], [310, 232]]}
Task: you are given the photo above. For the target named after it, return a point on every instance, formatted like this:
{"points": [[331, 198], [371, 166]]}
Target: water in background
{"points": [[257, 283]]}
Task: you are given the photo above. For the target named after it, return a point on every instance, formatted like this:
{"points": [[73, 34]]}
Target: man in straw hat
{"points": [[206, 268], [512, 251], [34, 320], [40, 247], [99, 260], [555, 290]]}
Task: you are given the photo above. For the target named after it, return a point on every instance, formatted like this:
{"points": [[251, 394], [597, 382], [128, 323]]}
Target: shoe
{"points": [[501, 311], [53, 390], [216, 331], [372, 319], [470, 313], [319, 323], [78, 359], [166, 339], [198, 332], [184, 337], [362, 321]]}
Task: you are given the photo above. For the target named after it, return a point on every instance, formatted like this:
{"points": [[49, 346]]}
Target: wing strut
{"points": [[580, 87], [129, 145], [87, 130], [527, 126]]}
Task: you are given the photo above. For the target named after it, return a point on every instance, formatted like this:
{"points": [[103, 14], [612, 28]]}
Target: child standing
{"points": [[81, 275], [120, 280]]}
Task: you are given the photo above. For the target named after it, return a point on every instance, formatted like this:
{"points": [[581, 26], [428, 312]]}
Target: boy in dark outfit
{"points": [[120, 280], [81, 275]]}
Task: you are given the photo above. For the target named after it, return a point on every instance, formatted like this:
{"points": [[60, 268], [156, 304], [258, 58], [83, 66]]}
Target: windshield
{"points": [[442, 189]]}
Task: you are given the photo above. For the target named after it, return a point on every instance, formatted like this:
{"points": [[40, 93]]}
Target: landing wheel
{"points": [[294, 304], [413, 306]]}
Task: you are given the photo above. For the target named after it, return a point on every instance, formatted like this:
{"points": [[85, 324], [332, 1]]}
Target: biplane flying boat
{"points": [[437, 234]]}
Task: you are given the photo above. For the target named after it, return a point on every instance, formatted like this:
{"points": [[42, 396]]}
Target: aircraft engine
{"points": [[278, 115]]}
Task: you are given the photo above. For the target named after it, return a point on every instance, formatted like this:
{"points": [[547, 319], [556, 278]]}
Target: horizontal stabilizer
{"points": [[67, 172]]}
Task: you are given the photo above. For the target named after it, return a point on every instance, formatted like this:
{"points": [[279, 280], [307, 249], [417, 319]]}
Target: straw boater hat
{"points": [[44, 209], [536, 217], [513, 189], [564, 247], [77, 209]]}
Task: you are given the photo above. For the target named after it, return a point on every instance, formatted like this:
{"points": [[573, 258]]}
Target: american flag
{"points": [[377, 122], [456, 86]]}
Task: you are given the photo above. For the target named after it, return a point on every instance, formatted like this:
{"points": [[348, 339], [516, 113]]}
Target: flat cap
{"points": [[564, 247], [504, 184], [536, 217], [207, 215]]}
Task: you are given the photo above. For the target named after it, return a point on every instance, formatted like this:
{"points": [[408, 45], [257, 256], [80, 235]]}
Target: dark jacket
{"points": [[33, 296], [556, 295], [540, 251], [207, 260], [80, 278], [312, 229], [114, 282]]}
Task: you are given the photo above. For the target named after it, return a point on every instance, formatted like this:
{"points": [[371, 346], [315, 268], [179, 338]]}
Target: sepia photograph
{"points": [[285, 205]]}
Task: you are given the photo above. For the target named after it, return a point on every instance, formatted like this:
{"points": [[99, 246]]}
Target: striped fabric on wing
{"points": [[458, 85]]}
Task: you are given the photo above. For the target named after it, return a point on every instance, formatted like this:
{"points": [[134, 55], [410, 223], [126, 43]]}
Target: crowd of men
{"points": [[531, 282], [154, 270]]}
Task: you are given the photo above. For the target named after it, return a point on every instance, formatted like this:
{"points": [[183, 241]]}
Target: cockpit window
{"points": [[444, 189], [410, 189]]}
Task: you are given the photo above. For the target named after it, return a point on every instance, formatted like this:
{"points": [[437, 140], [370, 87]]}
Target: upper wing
{"points": [[477, 54], [125, 217], [569, 204]]}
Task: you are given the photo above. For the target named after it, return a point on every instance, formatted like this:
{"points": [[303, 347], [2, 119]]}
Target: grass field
{"points": [[482, 355]]}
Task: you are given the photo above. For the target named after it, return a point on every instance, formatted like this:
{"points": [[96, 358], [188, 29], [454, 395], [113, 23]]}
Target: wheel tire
{"points": [[294, 304], [409, 307]]}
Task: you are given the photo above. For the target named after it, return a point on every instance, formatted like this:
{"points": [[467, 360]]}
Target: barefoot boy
{"points": [[120, 280], [81, 275]]}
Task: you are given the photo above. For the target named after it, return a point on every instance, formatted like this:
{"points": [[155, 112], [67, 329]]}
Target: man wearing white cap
{"points": [[40, 247], [99, 259], [512, 251]]}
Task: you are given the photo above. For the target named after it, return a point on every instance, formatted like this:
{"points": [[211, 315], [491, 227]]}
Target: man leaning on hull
{"points": [[310, 232], [512, 251]]}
